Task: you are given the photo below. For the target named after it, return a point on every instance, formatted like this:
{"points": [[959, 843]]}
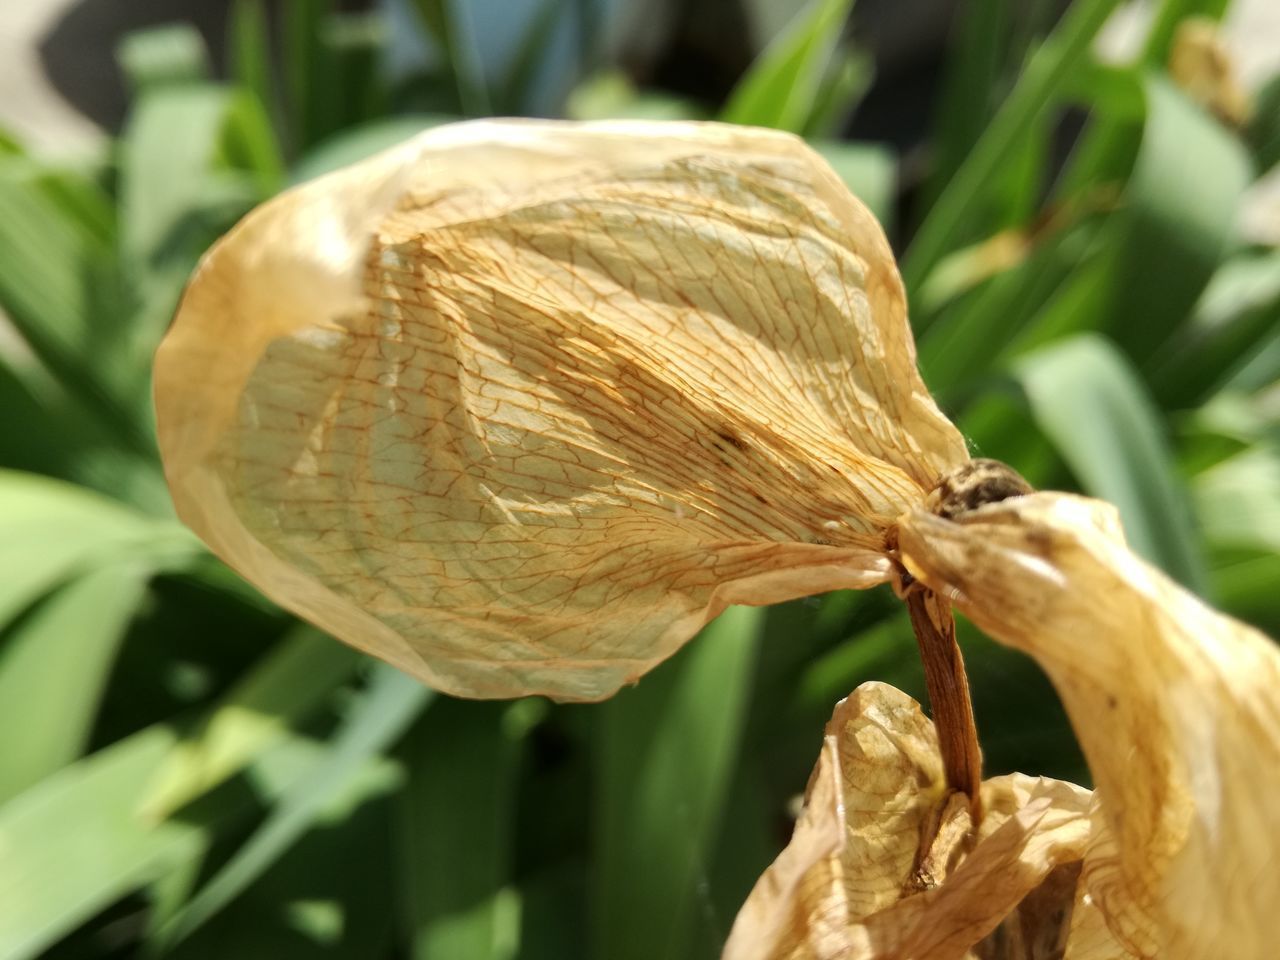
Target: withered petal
{"points": [[519, 406], [1176, 706], [850, 885]]}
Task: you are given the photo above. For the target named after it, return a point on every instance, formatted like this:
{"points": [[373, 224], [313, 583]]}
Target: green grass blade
{"points": [[1168, 16], [971, 75], [360, 142], [250, 53], [1238, 312], [173, 54], [1178, 221], [290, 683], [457, 820], [868, 170], [170, 178], [308, 73], [667, 751], [956, 351], [1089, 402], [50, 530], [58, 286], [379, 718], [54, 665], [1264, 126], [1238, 500], [781, 88], [1048, 71], [448, 22], [75, 843]]}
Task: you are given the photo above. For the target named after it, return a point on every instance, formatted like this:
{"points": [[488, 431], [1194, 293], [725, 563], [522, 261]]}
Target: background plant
{"points": [[186, 771]]}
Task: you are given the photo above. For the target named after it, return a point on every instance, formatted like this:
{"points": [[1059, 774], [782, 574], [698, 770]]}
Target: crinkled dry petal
{"points": [[520, 406], [850, 884], [876, 789], [1006, 865], [1176, 707]]}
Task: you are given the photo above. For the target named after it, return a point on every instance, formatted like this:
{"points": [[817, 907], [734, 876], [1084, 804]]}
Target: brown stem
{"points": [[948, 686]]}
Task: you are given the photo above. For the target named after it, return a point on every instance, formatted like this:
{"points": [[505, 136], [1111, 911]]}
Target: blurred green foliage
{"points": [[185, 771]]}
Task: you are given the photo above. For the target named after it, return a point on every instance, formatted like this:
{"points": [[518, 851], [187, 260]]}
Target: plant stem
{"points": [[948, 687]]}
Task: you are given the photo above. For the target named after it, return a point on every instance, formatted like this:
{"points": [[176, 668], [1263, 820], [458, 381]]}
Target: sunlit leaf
{"points": [[376, 721], [54, 665], [250, 719], [780, 88], [1089, 402]]}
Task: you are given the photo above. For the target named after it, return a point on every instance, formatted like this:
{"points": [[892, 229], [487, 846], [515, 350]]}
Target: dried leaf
{"points": [[520, 406], [1174, 704], [852, 884]]}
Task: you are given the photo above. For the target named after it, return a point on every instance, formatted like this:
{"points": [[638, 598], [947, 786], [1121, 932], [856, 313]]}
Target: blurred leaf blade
{"points": [[53, 670], [284, 688], [57, 285], [50, 530], [1089, 402], [868, 170], [169, 55], [53, 877], [1178, 222], [379, 718], [1238, 500], [1047, 72], [666, 756], [780, 89], [458, 813], [449, 23]]}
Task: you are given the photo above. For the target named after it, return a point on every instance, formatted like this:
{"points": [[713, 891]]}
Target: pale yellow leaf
{"points": [[1176, 707], [520, 406]]}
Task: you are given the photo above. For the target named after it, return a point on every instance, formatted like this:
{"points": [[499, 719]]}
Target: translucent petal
{"points": [[520, 406], [1175, 706]]}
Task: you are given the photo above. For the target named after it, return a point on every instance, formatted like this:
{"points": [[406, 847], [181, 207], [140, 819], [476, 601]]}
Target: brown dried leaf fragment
{"points": [[519, 406]]}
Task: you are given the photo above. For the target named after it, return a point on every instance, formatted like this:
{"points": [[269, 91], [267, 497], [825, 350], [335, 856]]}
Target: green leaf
{"points": [[1178, 221], [58, 286], [250, 52], [610, 95], [288, 685], [1048, 71], [172, 177], [868, 170], [1238, 312], [50, 531], [75, 843], [965, 103], [1264, 126], [667, 751], [1089, 402], [54, 665], [172, 54], [374, 724], [782, 86], [956, 350], [363, 141], [308, 73], [1238, 500], [457, 821], [449, 23]]}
